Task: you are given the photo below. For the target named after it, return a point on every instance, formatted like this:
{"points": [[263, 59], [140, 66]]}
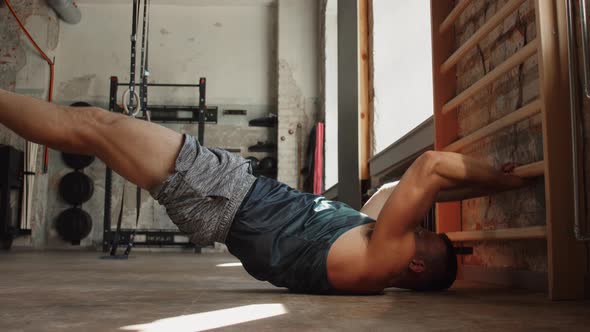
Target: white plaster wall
{"points": [[402, 68], [32, 80], [230, 45], [298, 89], [23, 70], [331, 93], [233, 44]]}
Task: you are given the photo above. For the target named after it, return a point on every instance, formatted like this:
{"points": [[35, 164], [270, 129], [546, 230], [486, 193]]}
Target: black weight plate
{"points": [[80, 104], [254, 162], [77, 161], [6, 241], [73, 225], [76, 188], [268, 163]]}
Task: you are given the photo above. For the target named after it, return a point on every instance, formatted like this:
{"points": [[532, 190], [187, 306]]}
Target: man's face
{"points": [[427, 244]]}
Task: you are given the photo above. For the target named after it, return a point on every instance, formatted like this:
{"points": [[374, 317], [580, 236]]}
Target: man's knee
{"points": [[100, 117], [89, 124]]}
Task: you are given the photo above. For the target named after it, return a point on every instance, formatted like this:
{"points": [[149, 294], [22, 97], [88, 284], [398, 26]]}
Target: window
{"points": [[330, 77], [402, 64]]}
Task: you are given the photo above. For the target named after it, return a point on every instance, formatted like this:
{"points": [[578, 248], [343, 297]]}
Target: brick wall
{"points": [[521, 143]]}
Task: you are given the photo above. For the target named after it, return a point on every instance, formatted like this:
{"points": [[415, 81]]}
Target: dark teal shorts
{"points": [[283, 236]]}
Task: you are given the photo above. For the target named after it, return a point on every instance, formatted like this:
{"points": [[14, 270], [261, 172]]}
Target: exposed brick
{"points": [[521, 143]]}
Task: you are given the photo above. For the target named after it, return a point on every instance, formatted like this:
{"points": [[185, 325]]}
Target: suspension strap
{"points": [[117, 237], [135, 20], [137, 213], [143, 61], [148, 114], [143, 93], [141, 105]]}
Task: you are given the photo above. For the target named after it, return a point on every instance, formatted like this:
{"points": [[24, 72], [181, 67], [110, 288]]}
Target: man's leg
{"points": [[143, 153]]}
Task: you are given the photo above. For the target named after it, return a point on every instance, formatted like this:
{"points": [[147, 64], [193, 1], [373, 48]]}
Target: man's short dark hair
{"points": [[445, 279]]}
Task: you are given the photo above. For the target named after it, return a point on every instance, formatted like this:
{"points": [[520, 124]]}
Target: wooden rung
{"points": [[454, 16], [515, 60], [531, 170], [521, 114], [534, 232], [480, 34]]}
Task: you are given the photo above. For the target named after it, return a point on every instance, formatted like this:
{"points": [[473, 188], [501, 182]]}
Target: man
{"points": [[291, 239]]}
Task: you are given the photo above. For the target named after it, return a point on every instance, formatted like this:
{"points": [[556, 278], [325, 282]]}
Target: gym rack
{"points": [[150, 237]]}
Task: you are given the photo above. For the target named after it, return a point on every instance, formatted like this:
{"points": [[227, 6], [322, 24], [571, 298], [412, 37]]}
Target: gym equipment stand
{"points": [[152, 237]]}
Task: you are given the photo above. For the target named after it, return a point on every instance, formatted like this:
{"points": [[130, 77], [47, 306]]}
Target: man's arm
{"points": [[375, 204], [392, 244], [437, 172]]}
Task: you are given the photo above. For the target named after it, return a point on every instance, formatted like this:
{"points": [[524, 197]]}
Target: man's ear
{"points": [[417, 265]]}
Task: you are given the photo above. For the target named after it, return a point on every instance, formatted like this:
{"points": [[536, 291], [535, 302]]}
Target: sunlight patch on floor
{"points": [[229, 264], [211, 319]]}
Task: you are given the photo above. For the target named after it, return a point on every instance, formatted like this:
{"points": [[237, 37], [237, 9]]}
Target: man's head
{"points": [[433, 267]]}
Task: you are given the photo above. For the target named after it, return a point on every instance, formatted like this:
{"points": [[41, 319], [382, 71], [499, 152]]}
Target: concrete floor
{"points": [[63, 291]]}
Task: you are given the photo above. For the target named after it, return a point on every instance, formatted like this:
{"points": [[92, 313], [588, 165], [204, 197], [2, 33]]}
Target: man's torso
{"points": [[284, 236]]}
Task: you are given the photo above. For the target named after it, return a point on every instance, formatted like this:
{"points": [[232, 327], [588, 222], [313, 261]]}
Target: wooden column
{"points": [[448, 215], [349, 186], [354, 112], [566, 256], [365, 111]]}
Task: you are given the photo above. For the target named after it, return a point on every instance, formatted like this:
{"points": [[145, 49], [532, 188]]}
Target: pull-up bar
{"points": [[165, 85]]}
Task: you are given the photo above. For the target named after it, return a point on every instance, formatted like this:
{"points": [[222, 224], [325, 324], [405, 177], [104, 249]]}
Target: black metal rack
{"points": [[11, 189], [201, 114], [171, 114], [148, 237]]}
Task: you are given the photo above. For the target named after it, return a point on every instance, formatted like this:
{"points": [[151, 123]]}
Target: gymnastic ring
{"points": [[126, 107]]}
